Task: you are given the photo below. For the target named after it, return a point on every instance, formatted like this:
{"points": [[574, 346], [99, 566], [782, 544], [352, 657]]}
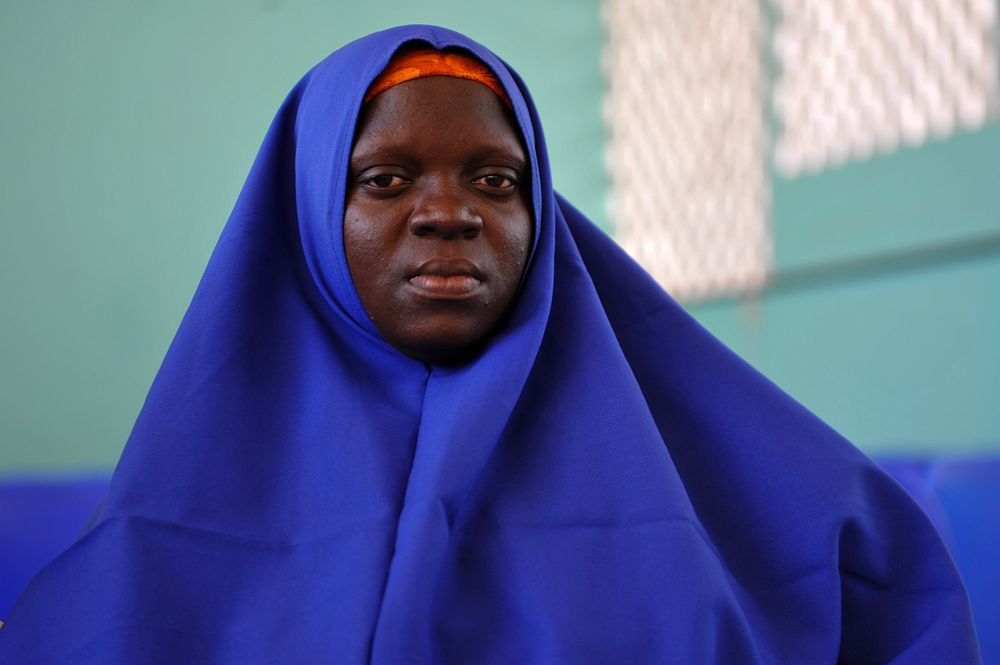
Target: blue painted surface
{"points": [[38, 519]]}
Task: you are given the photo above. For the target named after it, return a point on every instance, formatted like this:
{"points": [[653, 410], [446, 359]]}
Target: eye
{"points": [[383, 181], [496, 181]]}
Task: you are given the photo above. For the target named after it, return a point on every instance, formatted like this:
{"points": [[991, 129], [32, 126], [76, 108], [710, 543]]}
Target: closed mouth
{"points": [[446, 279]]}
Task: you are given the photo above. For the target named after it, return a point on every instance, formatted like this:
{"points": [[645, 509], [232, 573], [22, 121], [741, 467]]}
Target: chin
{"points": [[442, 348], [442, 355]]}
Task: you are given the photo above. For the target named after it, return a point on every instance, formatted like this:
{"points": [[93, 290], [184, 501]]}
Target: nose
{"points": [[445, 213]]}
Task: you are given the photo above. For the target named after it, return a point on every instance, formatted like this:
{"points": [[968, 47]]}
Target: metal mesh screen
{"points": [[687, 142], [863, 76]]}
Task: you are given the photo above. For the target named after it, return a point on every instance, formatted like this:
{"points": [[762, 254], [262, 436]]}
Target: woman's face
{"points": [[438, 221]]}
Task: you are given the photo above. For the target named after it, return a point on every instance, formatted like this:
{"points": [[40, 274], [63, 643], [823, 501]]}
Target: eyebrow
{"points": [[491, 152], [501, 154]]}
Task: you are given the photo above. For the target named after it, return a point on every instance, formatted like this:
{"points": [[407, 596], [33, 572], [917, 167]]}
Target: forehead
{"points": [[438, 112]]}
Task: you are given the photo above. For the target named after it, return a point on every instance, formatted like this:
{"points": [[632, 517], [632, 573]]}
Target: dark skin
{"points": [[437, 221]]}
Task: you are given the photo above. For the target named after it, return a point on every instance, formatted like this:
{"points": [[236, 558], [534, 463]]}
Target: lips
{"points": [[445, 279]]}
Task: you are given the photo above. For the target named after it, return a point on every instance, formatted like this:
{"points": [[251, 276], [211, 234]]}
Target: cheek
{"points": [[361, 247], [517, 243], [365, 236]]}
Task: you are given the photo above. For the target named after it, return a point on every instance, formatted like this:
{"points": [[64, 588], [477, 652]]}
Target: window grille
{"points": [[687, 149]]}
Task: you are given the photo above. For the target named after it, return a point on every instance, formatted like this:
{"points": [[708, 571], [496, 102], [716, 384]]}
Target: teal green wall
{"points": [[127, 130], [884, 314]]}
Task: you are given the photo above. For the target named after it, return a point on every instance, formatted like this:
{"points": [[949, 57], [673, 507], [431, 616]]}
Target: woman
{"points": [[420, 410]]}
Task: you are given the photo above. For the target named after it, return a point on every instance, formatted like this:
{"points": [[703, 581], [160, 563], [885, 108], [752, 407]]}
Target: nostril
{"points": [[446, 227], [424, 230]]}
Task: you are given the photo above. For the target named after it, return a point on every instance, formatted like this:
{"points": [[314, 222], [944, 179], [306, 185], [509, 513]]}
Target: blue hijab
{"points": [[605, 483]]}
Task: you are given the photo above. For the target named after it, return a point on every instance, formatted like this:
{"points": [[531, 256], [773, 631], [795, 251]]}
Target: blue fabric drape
{"points": [[606, 483]]}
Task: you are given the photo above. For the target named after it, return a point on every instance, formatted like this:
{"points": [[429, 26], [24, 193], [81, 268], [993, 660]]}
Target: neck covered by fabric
{"points": [[604, 483]]}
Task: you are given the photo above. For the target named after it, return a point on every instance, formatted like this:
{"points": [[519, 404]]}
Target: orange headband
{"points": [[425, 61]]}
